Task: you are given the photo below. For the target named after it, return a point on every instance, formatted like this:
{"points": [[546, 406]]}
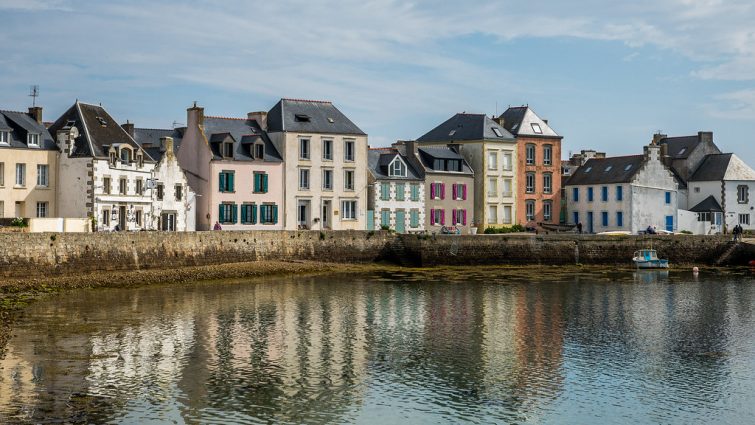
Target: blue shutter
{"points": [[222, 182], [244, 214], [619, 193], [254, 214], [575, 193], [620, 219], [235, 212], [230, 182], [221, 218], [589, 194], [275, 214], [668, 197]]}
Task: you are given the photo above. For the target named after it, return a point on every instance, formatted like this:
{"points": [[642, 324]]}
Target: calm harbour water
{"points": [[446, 346]]}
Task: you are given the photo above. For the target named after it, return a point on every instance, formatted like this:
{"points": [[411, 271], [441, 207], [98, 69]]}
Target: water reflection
{"points": [[603, 348]]}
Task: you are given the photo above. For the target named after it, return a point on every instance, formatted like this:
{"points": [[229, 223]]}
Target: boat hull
{"points": [[651, 264]]}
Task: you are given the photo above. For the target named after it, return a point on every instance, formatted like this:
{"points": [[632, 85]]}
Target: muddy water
{"points": [[445, 346]]}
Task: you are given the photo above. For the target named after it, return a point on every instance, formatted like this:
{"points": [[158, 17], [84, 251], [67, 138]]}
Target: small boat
{"points": [[557, 227], [648, 259]]}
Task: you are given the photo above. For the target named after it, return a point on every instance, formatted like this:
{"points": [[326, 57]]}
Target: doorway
{"points": [[326, 214], [122, 217], [302, 215], [590, 224], [400, 221], [168, 222]]}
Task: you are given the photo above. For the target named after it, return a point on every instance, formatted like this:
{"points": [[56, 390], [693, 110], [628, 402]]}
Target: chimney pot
{"points": [[129, 128], [36, 113]]}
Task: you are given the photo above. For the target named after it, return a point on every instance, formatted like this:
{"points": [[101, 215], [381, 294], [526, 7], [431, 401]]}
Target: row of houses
{"points": [[301, 165]]}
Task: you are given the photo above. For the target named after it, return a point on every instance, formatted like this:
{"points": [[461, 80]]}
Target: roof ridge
{"points": [[226, 118], [147, 128], [15, 112], [306, 100]]}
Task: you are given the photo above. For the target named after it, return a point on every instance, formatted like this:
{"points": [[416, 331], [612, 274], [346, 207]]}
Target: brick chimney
{"points": [[499, 120], [129, 127], [195, 116], [36, 113], [260, 117]]}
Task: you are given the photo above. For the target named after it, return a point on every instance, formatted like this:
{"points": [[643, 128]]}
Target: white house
{"points": [[395, 192], [626, 193]]}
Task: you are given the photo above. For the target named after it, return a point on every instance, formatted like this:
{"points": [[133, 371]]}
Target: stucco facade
{"points": [[441, 207], [396, 192], [539, 194]]}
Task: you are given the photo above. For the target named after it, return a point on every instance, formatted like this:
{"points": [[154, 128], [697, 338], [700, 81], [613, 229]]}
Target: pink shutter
{"points": [[442, 191], [453, 217], [432, 216], [464, 216], [432, 190], [442, 217], [464, 192]]}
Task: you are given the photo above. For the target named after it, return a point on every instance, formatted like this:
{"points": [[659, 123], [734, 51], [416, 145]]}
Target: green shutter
{"points": [[414, 218], [230, 182], [243, 214], [256, 182], [264, 183], [235, 210], [220, 214], [222, 182], [400, 191], [385, 190], [254, 214], [275, 214]]}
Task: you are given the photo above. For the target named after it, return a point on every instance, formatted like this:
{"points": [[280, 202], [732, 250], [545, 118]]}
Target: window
{"points": [[113, 158], [575, 194], [327, 179], [125, 156], [260, 182], [348, 179], [348, 210], [348, 150], [438, 217], [269, 214], [139, 160], [397, 168], [604, 193], [259, 151], [2, 174], [400, 191], [227, 213], [414, 192], [744, 219], [179, 192], [588, 169], [414, 218], [530, 182], [619, 219], [42, 209], [507, 214], [226, 181], [668, 198], [327, 150], [437, 191], [619, 193], [492, 214], [303, 148], [628, 167], [304, 179], [42, 175], [301, 118], [385, 218], [743, 194], [21, 175], [547, 154], [122, 185], [33, 139], [608, 168], [138, 217], [604, 218], [385, 191], [248, 214], [589, 194], [536, 128], [530, 151], [547, 211], [507, 188], [493, 186], [459, 192], [160, 192], [547, 183], [492, 160], [106, 217], [497, 132], [139, 187], [228, 150], [703, 216], [697, 189], [106, 185], [530, 209], [459, 217], [507, 164], [4, 137], [575, 216]]}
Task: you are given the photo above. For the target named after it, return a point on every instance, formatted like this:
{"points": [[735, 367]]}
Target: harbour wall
{"points": [[48, 254]]}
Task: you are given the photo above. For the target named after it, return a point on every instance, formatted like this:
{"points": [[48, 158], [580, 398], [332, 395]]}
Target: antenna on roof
{"points": [[496, 108], [34, 92], [176, 124]]}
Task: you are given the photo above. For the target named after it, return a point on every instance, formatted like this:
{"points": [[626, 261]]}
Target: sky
{"points": [[607, 75]]}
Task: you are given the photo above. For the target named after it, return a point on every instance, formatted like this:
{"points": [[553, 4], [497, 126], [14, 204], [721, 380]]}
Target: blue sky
{"points": [[606, 75]]}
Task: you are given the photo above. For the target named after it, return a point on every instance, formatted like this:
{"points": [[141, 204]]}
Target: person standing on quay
{"points": [[579, 227]]}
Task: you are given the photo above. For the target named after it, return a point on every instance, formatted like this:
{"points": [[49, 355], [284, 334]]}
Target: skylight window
{"points": [[681, 152], [513, 127], [588, 169], [452, 132], [608, 168], [627, 167], [102, 121], [536, 128], [497, 132], [331, 120], [301, 118]]}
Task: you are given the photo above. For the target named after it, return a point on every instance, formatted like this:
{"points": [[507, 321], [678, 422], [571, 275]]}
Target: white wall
{"points": [[393, 204], [733, 208], [131, 199], [169, 174]]}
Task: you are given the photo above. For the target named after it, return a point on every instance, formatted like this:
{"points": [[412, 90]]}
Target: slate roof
{"points": [[97, 131], [240, 130], [378, 161], [519, 120], [713, 168], [467, 127], [309, 116], [20, 124], [617, 169], [428, 155], [707, 205], [680, 147], [152, 136]]}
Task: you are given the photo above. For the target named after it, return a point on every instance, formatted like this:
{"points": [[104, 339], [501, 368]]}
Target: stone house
{"points": [[173, 200], [102, 171], [325, 157], [625, 193], [395, 192], [491, 151], [28, 163], [448, 180], [235, 170], [683, 155], [538, 167]]}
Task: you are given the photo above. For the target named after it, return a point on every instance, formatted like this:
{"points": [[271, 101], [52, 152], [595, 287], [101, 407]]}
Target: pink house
{"points": [[235, 170]]}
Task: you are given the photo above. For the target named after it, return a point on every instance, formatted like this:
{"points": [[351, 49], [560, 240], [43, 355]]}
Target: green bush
{"points": [[511, 229], [18, 222], [384, 227], [685, 232]]}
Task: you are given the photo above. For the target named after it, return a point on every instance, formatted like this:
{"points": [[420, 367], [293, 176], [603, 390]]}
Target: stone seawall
{"points": [[47, 254]]}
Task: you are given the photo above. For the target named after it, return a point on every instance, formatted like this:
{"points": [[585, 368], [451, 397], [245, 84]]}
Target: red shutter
{"points": [[464, 192], [432, 216], [442, 191], [464, 216], [453, 191], [432, 190], [442, 217], [453, 217]]}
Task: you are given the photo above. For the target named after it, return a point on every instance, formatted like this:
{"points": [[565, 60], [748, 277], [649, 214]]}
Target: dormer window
{"points": [[227, 150], [113, 158], [536, 128], [102, 121], [4, 137], [32, 139], [301, 118], [125, 156], [139, 160], [259, 151], [397, 168]]}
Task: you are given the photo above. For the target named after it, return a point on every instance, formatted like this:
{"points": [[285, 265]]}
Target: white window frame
{"points": [[349, 150], [743, 193], [547, 183], [20, 174], [492, 214], [529, 208], [508, 160], [547, 154], [348, 209], [348, 179], [4, 137], [32, 139], [42, 209], [327, 179], [529, 179], [547, 211], [304, 148], [492, 186], [529, 151], [304, 179], [492, 160], [744, 219], [43, 175], [397, 168], [508, 188], [327, 143], [507, 217]]}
